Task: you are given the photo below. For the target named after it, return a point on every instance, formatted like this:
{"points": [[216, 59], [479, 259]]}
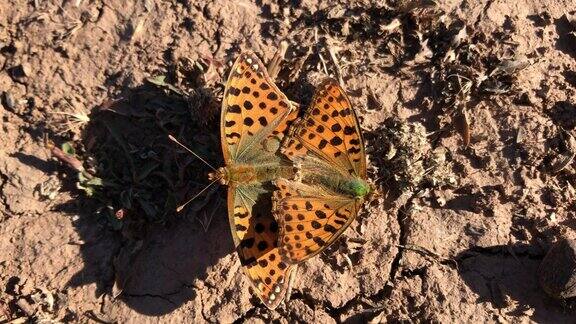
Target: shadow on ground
{"points": [[135, 246], [565, 42], [507, 278]]}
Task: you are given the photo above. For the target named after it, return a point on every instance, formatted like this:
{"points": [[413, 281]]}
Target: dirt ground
{"points": [[468, 109]]}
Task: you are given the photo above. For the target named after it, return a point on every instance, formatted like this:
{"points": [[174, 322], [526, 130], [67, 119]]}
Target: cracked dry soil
{"points": [[464, 252]]}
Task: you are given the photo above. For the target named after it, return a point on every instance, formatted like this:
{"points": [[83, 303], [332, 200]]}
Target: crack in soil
{"points": [[505, 250], [333, 312], [401, 241], [3, 199]]}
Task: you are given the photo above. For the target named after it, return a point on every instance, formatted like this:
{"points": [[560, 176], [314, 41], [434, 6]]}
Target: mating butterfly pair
{"points": [[294, 184]]}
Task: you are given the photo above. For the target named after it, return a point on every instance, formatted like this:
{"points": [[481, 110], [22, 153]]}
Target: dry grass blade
{"points": [[72, 122], [69, 29], [274, 65], [511, 66], [332, 52], [393, 25]]}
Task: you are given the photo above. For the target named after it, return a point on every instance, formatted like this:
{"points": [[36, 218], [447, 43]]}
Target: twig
{"points": [[335, 62], [274, 65], [426, 252], [71, 161], [317, 41]]}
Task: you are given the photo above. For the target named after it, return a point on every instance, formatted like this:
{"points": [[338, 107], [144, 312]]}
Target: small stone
{"points": [[20, 72], [524, 99], [198, 284], [9, 101], [26, 69], [557, 273]]}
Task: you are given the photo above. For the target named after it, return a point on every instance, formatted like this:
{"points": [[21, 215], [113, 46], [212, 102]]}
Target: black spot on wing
{"points": [[329, 228], [248, 121], [348, 130], [247, 243], [234, 91], [234, 109], [233, 135], [259, 228], [262, 245]]}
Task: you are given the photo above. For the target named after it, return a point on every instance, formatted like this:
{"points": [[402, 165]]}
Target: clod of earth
{"points": [[558, 270]]}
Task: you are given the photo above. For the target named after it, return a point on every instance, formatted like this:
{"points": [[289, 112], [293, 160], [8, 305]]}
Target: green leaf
{"points": [[68, 149], [89, 185], [159, 80]]}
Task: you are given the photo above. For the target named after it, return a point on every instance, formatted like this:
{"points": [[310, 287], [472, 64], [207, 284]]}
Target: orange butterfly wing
{"points": [[329, 130], [327, 145], [254, 111], [255, 117], [310, 219], [256, 241]]}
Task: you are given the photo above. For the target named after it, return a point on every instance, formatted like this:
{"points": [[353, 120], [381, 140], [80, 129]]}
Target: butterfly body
{"points": [[250, 174], [345, 185], [357, 188]]}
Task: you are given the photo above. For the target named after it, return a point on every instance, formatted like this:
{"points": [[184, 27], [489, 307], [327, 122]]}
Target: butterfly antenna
{"points": [[173, 139], [179, 208]]}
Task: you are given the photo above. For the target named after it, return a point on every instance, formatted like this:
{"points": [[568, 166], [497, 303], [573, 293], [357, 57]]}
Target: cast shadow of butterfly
{"points": [[139, 249]]}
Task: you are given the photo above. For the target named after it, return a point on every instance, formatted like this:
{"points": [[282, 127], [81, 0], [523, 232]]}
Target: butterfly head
{"points": [[220, 174], [358, 187]]}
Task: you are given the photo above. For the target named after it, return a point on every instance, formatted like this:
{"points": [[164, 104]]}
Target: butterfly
{"points": [[254, 119], [327, 146]]}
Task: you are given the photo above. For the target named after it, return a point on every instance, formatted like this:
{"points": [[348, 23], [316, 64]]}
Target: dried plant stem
{"points": [[274, 65]]}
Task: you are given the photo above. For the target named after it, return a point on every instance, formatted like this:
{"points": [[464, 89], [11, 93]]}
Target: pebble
{"points": [[20, 72], [9, 101], [557, 273]]}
